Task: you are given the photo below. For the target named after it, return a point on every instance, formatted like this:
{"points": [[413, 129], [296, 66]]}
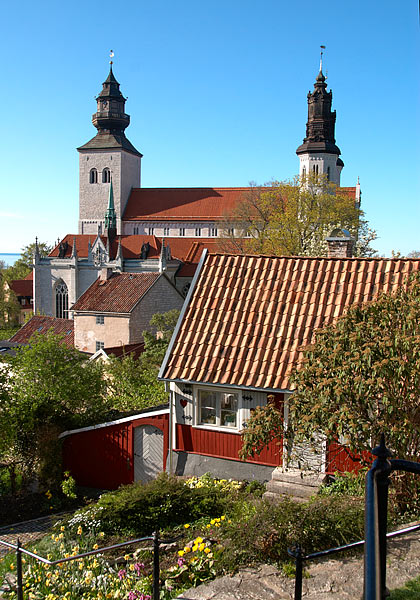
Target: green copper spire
{"points": [[110, 216]]}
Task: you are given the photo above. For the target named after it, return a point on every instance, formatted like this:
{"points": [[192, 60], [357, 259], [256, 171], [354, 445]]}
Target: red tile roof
{"points": [[135, 350], [44, 324], [22, 287], [182, 248], [188, 204], [118, 294], [250, 316]]}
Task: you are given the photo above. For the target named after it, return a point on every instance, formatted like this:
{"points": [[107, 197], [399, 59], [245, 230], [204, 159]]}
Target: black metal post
{"points": [[156, 566], [19, 576], [376, 517], [298, 556]]}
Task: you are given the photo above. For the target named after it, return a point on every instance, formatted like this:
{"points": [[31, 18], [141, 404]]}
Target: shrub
{"points": [[265, 531], [139, 509], [345, 484]]}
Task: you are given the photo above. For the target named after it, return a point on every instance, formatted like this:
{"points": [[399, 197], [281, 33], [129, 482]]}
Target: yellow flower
{"points": [[79, 530], [213, 521], [186, 525], [208, 526], [201, 547], [198, 540], [12, 566], [217, 524], [206, 550], [101, 534], [223, 517], [230, 521], [62, 528], [126, 557], [95, 546], [187, 549], [181, 552]]}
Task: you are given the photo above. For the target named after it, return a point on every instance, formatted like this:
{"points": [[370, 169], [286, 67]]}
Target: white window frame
{"points": [[219, 395], [213, 232], [182, 231], [166, 231], [100, 320], [99, 345]]}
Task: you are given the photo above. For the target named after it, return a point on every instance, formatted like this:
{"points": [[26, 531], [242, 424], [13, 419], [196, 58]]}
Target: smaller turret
{"points": [[110, 216]]}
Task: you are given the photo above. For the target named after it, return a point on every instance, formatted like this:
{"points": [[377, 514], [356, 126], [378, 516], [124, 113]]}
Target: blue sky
{"points": [[217, 97]]}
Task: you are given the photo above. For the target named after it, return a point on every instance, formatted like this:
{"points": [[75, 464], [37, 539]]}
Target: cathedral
{"points": [[124, 227]]}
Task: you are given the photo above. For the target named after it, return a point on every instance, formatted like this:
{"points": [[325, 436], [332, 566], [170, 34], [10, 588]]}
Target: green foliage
{"points": [[264, 425], [68, 485], [47, 388], [265, 533], [361, 377], [166, 501], [410, 591], [132, 383], [7, 332], [345, 484], [294, 218]]}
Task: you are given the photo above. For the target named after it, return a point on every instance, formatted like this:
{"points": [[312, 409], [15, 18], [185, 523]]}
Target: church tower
{"points": [[319, 154], [108, 155]]}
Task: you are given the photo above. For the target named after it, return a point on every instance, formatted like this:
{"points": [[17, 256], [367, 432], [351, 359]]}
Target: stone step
{"points": [[290, 489], [296, 476]]}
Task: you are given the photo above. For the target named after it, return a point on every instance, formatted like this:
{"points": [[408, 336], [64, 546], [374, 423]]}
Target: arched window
{"points": [[106, 175], [93, 176], [304, 172], [61, 300]]}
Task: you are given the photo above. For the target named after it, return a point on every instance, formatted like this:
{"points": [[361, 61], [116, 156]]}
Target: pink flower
{"points": [[181, 561], [138, 567], [121, 574]]}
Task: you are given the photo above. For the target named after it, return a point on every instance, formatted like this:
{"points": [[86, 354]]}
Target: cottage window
{"points": [[166, 231], [198, 231], [213, 231], [151, 231], [99, 346], [100, 319], [217, 408], [182, 231]]}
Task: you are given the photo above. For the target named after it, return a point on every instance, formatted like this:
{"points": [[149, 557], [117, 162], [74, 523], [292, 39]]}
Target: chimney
{"points": [[340, 244], [105, 274]]}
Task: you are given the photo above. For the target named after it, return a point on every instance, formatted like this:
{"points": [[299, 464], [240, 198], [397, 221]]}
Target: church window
{"points": [[304, 172], [198, 231], [106, 175], [182, 231], [99, 346], [93, 176], [213, 231], [61, 300], [166, 231], [100, 319]]}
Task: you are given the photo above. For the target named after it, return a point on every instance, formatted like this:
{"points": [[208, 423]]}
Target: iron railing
{"points": [[376, 515], [157, 542]]}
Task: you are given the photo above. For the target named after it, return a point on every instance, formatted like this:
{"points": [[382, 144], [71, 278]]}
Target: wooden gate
{"points": [[148, 452]]}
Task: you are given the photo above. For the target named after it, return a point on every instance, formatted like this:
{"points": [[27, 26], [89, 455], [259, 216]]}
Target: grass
{"points": [[411, 591]]}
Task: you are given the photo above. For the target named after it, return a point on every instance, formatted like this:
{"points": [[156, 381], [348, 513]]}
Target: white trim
{"points": [[153, 413]]}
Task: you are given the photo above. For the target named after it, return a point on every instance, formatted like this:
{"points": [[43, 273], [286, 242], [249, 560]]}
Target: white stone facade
{"points": [[320, 164], [125, 169]]}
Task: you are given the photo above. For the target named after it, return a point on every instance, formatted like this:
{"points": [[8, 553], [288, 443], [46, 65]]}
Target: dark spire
{"points": [[320, 128], [110, 216], [110, 118]]}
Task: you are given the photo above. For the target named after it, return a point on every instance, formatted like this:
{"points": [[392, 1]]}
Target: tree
{"points": [[294, 219], [360, 378], [49, 388], [23, 266], [132, 383]]}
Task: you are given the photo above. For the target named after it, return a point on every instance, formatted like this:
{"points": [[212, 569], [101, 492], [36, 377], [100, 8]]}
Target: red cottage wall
{"points": [[104, 457], [219, 444], [339, 459]]}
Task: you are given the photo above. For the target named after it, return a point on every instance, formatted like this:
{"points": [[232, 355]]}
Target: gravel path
{"points": [[27, 531]]}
